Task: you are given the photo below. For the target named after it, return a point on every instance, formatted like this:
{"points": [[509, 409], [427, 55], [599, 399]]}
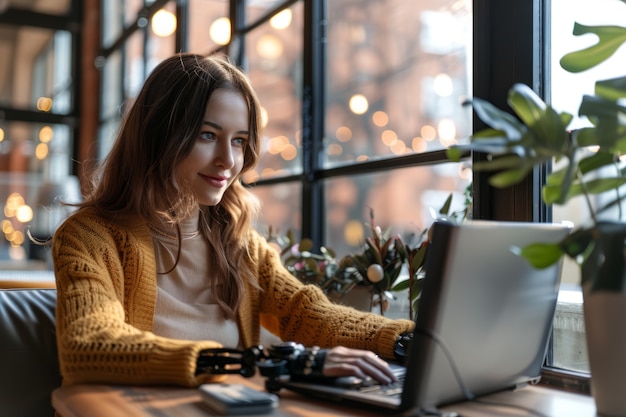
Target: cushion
{"points": [[29, 367]]}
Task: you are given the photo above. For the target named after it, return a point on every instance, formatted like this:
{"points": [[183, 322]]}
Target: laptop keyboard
{"points": [[390, 390], [372, 387]]}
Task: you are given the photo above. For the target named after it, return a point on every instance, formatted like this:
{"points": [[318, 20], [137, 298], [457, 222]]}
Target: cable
{"points": [[457, 375], [466, 392]]}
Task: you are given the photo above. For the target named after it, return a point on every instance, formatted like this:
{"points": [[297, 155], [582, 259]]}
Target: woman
{"points": [[161, 262]]}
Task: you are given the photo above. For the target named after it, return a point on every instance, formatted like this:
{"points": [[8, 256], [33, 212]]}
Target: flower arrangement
{"points": [[380, 264]]}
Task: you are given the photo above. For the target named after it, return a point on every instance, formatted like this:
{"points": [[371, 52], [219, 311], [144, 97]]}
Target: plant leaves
{"points": [[454, 153], [510, 177], [552, 194], [526, 103], [611, 89], [445, 209], [400, 286], [497, 119], [374, 250], [418, 258], [541, 255], [306, 244], [576, 242], [610, 38]]}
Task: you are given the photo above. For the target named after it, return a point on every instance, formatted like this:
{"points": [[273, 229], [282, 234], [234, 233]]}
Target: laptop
{"points": [[482, 325]]}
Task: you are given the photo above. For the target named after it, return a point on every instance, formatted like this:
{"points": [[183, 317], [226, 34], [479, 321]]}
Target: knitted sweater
{"points": [[106, 282]]}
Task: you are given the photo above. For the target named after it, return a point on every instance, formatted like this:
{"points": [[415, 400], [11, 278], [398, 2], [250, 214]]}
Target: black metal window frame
{"points": [[510, 44], [71, 22]]}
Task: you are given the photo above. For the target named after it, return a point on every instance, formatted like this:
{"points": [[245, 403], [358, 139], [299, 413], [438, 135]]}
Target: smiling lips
{"points": [[217, 181]]}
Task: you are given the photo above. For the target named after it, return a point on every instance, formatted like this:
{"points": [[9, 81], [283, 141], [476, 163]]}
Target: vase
{"points": [[605, 328], [604, 307], [359, 298]]}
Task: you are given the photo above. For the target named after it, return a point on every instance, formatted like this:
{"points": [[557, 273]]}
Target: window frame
{"points": [[510, 45]]}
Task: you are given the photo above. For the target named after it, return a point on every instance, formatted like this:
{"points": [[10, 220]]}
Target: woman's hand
{"points": [[343, 361]]}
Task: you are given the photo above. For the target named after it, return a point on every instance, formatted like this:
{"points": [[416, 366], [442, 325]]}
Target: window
{"points": [[361, 96], [566, 92], [38, 122]]}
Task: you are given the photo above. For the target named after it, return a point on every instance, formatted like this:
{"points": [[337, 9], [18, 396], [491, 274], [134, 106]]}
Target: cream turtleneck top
{"points": [[185, 307]]}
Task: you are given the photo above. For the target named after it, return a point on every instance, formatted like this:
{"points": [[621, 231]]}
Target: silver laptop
{"points": [[482, 325]]}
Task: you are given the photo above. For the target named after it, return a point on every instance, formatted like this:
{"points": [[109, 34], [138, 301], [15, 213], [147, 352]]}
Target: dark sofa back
{"points": [[29, 367]]}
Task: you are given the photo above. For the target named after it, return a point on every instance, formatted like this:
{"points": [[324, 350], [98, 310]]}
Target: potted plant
{"points": [[368, 279], [588, 161]]}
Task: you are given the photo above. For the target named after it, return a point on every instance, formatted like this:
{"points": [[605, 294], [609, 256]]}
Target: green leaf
{"points": [[526, 103], [553, 194], [499, 163], [612, 89], [416, 289], [311, 264], [577, 242], [550, 132], [402, 285], [454, 153], [595, 161], [374, 251], [401, 247], [610, 38], [445, 209], [418, 258], [306, 244], [330, 253], [601, 185], [547, 128], [510, 177], [497, 119], [541, 255]]}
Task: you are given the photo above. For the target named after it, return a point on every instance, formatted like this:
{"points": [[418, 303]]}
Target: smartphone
{"points": [[237, 399]]}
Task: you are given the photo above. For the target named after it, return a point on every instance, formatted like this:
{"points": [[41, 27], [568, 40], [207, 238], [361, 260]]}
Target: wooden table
{"points": [[134, 401]]}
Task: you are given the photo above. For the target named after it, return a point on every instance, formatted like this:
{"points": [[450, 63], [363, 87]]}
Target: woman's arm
{"points": [[304, 313], [106, 284]]}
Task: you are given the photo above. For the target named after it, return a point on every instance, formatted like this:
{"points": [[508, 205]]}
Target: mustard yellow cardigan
{"points": [[106, 281]]}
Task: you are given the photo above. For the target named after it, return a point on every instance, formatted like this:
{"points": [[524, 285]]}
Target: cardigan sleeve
{"points": [[103, 311], [304, 313]]}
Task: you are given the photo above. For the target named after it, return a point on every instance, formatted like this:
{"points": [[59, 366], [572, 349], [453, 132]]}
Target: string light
{"points": [[164, 23]]}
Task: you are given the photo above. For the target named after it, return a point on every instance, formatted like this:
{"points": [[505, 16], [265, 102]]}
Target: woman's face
{"points": [[217, 156]]}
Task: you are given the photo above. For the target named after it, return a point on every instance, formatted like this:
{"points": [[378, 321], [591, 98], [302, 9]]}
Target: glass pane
{"points": [[35, 148], [131, 12], [161, 38], [402, 199], [106, 136], [281, 209], [256, 9], [111, 97], [34, 160], [117, 15], [569, 350], [397, 70], [135, 67], [275, 69], [18, 192], [111, 21], [36, 69], [209, 25]]}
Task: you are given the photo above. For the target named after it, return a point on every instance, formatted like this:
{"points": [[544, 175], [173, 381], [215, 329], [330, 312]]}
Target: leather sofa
{"points": [[29, 366]]}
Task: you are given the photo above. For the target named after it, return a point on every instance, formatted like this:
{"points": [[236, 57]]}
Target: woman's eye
{"points": [[241, 142], [207, 135]]}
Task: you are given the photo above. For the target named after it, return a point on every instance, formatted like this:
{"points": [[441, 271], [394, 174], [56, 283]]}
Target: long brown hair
{"points": [[158, 131]]}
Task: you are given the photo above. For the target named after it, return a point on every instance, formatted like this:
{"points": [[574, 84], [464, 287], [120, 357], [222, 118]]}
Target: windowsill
{"points": [[569, 343]]}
